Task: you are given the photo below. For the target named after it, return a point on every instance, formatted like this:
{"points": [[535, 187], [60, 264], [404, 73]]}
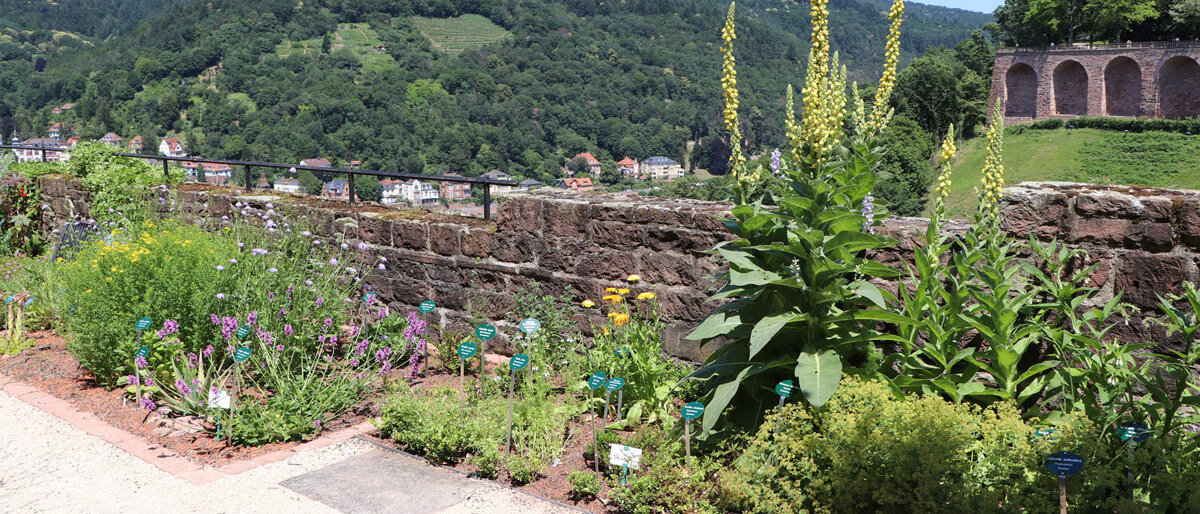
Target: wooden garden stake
{"points": [[1064, 464], [465, 351], [518, 362], [1062, 495], [595, 382]]}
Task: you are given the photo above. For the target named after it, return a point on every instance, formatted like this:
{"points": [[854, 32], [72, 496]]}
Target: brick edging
{"points": [[163, 458]]}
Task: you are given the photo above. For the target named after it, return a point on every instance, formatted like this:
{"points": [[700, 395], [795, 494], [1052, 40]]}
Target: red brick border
{"points": [[162, 458]]}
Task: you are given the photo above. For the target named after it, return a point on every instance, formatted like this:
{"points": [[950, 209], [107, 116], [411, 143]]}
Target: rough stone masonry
{"points": [[1144, 241]]}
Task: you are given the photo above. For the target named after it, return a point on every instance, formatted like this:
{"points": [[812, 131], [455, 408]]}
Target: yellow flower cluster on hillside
{"points": [[993, 166], [729, 88]]}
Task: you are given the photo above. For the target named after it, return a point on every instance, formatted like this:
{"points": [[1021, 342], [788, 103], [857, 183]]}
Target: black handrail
{"points": [[350, 172]]}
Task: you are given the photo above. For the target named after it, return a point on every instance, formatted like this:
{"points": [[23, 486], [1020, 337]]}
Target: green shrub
{"points": [[869, 451], [1121, 124], [584, 485], [663, 483]]}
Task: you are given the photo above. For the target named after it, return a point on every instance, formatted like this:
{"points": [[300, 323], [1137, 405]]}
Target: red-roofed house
{"points": [[135, 144], [455, 191], [112, 139], [72, 141], [171, 147], [56, 131], [320, 162], [576, 184], [629, 167], [592, 162]]}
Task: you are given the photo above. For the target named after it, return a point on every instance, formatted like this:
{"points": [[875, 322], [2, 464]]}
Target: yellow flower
{"points": [[613, 314], [633, 279], [108, 279], [607, 331], [648, 295], [623, 290], [588, 304], [60, 259], [610, 289], [621, 319], [614, 298], [88, 291]]}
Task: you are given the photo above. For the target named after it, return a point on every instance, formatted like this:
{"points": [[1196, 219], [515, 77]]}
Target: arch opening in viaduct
{"points": [[1070, 89], [1179, 88], [1021, 85], [1122, 87]]}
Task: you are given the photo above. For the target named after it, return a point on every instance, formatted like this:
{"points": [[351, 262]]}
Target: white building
{"points": [[24, 155], [287, 185], [416, 192], [662, 168], [390, 190], [171, 147]]}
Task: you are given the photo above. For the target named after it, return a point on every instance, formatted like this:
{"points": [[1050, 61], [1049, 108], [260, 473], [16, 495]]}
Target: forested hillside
{"points": [[361, 79]]}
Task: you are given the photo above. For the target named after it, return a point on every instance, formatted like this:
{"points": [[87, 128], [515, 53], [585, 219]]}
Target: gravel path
{"points": [[48, 465]]}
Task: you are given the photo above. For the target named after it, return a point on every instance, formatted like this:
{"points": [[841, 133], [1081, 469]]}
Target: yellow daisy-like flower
{"points": [[614, 298], [633, 279], [648, 295], [613, 314], [588, 304], [607, 331], [610, 289], [623, 290], [621, 319]]}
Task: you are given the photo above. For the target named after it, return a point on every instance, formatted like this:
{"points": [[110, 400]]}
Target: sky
{"points": [[986, 6]]}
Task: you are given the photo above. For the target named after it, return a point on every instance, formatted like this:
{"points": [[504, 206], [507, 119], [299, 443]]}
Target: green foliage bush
{"points": [[664, 482], [584, 484], [1186, 126]]}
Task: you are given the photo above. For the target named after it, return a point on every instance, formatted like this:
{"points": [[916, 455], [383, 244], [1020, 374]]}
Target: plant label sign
{"points": [[241, 354], [596, 381], [485, 332], [622, 353], [692, 410], [219, 400], [10, 298], [784, 389], [243, 331], [615, 384], [426, 306], [29, 301], [530, 325], [1046, 433], [467, 350], [369, 298], [1064, 464], [143, 324], [1136, 432], [142, 352], [621, 455], [518, 362]]}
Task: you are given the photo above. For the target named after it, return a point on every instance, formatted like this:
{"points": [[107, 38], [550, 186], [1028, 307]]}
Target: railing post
{"points": [[350, 184], [166, 173], [43, 155], [487, 201], [247, 168]]}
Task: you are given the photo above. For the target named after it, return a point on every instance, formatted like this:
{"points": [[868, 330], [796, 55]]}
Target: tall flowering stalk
{"points": [[881, 115], [737, 161], [993, 168]]}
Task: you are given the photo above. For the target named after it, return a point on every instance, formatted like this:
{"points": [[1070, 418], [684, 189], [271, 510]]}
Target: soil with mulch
{"points": [[48, 366]]}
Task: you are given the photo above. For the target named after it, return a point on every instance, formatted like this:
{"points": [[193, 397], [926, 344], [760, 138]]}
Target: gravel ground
{"points": [[50, 466]]}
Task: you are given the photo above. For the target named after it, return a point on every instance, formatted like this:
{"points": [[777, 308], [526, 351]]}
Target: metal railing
{"points": [[1100, 46], [248, 165]]}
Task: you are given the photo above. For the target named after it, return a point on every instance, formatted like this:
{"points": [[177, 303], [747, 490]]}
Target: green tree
{"points": [[928, 93], [310, 183], [904, 174], [609, 174], [368, 188]]}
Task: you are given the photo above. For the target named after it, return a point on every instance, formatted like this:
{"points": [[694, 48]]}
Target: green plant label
{"points": [[622, 353], [784, 388], [1136, 432], [467, 350], [241, 354], [530, 325], [10, 299], [1046, 433], [596, 381], [243, 331], [1064, 464], [29, 301], [369, 298], [692, 410], [426, 306], [615, 384], [144, 323], [485, 332], [142, 352], [518, 362]]}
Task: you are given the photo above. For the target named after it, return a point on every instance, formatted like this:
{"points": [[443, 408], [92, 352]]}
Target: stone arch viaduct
{"points": [[1155, 80]]}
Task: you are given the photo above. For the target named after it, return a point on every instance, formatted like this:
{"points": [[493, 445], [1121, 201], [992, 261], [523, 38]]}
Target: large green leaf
{"points": [[718, 324], [817, 375], [766, 329]]}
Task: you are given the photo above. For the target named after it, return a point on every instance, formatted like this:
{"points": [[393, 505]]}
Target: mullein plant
{"points": [[797, 300]]}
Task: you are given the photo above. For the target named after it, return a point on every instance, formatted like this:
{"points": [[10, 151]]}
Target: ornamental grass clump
{"points": [[798, 297]]}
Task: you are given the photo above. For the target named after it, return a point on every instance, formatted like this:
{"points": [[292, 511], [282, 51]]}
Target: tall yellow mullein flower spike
{"points": [[942, 189], [729, 88], [824, 90], [993, 166], [794, 134], [881, 115]]}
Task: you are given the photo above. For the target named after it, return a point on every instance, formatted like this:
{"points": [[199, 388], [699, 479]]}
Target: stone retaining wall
{"points": [[1146, 242]]}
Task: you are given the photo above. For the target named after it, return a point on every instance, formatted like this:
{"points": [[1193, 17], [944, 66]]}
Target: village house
{"points": [[319, 162], [498, 175], [455, 191], [31, 155], [337, 190], [56, 131], [629, 167], [390, 193], [171, 147], [416, 192], [214, 173], [527, 184], [661, 168], [135, 144], [112, 139], [287, 185], [72, 141], [576, 184], [62, 109], [592, 162]]}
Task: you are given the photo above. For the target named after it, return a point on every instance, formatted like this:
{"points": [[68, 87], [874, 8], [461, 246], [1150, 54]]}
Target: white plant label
{"points": [[218, 400], [621, 455]]}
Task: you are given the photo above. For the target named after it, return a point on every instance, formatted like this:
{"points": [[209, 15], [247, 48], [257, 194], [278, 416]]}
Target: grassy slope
{"points": [[356, 37], [1080, 155], [457, 35]]}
